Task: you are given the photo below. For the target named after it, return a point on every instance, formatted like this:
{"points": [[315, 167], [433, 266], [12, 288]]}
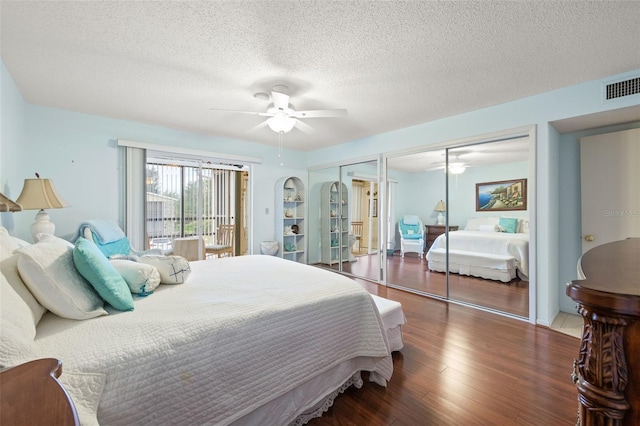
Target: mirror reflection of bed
{"points": [[419, 190]]}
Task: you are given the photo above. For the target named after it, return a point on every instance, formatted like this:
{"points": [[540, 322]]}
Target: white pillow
{"points": [[489, 228], [141, 277], [172, 269], [18, 330], [8, 243], [47, 269], [473, 224], [9, 268]]}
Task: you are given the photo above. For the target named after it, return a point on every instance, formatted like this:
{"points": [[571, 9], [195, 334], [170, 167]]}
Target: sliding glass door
{"points": [[190, 199]]}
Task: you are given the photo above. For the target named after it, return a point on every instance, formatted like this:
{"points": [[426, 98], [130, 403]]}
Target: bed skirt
{"points": [[488, 266]]}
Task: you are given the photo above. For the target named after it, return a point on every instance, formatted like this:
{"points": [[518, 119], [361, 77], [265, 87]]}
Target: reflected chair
{"points": [[411, 235], [356, 231], [225, 242]]}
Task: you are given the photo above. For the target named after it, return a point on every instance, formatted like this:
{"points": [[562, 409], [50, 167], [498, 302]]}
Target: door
{"points": [[609, 171]]}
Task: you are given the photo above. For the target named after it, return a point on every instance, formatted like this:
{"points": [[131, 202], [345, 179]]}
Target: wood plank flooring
{"points": [[412, 272], [462, 366]]}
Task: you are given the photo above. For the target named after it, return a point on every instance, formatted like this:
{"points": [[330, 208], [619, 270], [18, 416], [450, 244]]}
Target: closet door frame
{"points": [[515, 133]]}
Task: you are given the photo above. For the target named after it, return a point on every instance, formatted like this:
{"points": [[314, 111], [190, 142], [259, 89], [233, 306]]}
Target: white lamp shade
{"points": [[7, 205], [281, 123], [440, 207], [40, 194]]}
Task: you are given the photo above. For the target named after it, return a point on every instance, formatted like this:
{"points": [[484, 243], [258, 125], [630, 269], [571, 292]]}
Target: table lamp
{"points": [[7, 205], [440, 207], [40, 194]]}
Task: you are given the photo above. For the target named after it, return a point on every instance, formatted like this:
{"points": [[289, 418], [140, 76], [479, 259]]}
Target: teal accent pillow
{"points": [[103, 276], [508, 224]]}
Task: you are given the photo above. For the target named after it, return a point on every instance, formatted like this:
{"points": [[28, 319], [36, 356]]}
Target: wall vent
{"points": [[622, 88]]}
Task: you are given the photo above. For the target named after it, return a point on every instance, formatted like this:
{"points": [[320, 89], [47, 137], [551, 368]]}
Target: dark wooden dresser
{"points": [[432, 232], [607, 370]]}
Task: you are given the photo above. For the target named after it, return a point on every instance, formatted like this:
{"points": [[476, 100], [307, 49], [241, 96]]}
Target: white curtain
{"points": [[135, 200], [391, 216]]}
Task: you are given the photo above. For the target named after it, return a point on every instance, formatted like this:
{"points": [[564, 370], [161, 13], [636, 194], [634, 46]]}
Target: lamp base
{"points": [[42, 225], [440, 219]]}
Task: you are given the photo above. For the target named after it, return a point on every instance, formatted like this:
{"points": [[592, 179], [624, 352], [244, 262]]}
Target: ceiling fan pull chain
{"points": [[280, 147]]}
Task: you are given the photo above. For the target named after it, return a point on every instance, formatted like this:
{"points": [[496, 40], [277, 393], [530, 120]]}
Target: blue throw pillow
{"points": [[508, 224], [103, 276]]}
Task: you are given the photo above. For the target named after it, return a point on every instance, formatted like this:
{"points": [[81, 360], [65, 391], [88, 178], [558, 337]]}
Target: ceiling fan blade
{"points": [[264, 114], [280, 100], [304, 127], [259, 126], [320, 113]]}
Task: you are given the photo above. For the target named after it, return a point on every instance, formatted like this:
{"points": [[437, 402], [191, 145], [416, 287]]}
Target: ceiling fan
{"points": [[456, 166], [282, 115]]}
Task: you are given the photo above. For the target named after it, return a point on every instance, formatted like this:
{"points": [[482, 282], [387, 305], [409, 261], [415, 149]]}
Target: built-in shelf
{"points": [[290, 213]]}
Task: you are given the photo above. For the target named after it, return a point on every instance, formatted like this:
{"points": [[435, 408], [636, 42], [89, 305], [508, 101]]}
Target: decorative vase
{"points": [[269, 248]]}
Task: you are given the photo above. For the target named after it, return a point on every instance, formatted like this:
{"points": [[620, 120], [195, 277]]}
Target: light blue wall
{"points": [[11, 139], [78, 151], [538, 111]]}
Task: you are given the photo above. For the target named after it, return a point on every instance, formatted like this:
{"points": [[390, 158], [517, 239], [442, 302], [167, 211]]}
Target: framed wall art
{"points": [[501, 195]]}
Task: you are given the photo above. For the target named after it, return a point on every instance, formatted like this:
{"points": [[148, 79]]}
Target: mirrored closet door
{"points": [[468, 205], [344, 219]]}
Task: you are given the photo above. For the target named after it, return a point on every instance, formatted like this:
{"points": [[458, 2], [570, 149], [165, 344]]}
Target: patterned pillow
{"points": [[141, 278], [172, 269]]}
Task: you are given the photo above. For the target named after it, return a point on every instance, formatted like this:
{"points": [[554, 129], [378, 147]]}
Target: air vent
{"points": [[623, 88]]}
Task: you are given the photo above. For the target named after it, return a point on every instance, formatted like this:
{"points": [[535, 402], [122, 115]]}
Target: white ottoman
{"points": [[392, 319]]}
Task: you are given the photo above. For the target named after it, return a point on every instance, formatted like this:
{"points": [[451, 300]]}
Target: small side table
{"points": [[432, 232]]}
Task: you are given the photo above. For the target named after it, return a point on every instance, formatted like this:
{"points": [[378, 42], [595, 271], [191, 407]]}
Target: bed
{"points": [[245, 340], [486, 248]]}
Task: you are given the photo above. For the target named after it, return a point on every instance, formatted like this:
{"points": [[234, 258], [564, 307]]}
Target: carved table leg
{"points": [[600, 372]]}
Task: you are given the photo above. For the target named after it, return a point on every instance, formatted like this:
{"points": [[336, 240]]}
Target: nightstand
{"points": [[432, 232]]}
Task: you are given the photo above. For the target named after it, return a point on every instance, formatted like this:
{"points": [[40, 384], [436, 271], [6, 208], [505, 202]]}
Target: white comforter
{"points": [[506, 244], [240, 332]]}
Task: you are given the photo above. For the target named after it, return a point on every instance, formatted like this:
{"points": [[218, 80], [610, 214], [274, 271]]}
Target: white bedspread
{"points": [[502, 243], [239, 333]]}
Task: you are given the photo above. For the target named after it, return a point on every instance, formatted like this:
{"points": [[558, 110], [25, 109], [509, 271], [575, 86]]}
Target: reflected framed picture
{"points": [[502, 195]]}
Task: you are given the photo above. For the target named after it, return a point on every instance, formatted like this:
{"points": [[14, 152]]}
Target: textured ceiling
{"points": [[392, 64]]}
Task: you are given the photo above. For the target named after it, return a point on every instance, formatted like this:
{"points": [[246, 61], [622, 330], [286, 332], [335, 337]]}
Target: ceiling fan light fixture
{"points": [[456, 168], [281, 123]]}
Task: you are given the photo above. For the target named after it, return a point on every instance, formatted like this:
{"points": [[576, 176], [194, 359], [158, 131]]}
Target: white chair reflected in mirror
{"points": [[411, 231], [356, 231]]}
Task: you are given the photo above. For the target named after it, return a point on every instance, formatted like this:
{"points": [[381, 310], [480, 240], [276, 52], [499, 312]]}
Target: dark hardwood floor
{"points": [[463, 366], [412, 272]]}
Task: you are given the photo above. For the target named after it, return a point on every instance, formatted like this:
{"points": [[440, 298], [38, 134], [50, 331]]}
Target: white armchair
{"points": [[411, 235]]}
